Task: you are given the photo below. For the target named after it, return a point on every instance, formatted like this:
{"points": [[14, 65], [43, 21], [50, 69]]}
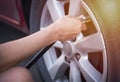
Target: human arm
{"points": [[15, 51]]}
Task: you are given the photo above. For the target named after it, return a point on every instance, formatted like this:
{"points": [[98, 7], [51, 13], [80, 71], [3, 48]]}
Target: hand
{"points": [[68, 27]]}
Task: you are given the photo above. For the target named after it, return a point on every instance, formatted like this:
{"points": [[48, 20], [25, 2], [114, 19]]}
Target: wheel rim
{"points": [[88, 46]]}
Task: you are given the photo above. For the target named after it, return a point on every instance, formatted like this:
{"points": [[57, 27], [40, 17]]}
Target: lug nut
{"points": [[77, 56]]}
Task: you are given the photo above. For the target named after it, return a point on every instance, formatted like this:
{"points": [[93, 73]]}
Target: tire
{"points": [[108, 21], [106, 14], [35, 15]]}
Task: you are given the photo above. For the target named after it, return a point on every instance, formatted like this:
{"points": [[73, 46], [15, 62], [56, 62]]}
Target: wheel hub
{"points": [[68, 49]]}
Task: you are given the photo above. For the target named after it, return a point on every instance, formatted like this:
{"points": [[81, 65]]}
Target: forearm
{"points": [[15, 51]]}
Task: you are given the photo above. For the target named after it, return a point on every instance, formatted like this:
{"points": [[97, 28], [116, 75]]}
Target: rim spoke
{"points": [[74, 72], [74, 7], [65, 1], [58, 68], [51, 58], [58, 44], [91, 43], [88, 71], [56, 9]]}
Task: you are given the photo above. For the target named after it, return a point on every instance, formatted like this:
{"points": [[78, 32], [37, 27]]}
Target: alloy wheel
{"points": [[83, 59]]}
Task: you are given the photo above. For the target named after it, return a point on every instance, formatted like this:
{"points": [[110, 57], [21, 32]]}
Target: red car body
{"points": [[11, 12]]}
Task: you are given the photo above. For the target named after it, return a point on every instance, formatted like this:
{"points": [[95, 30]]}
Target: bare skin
{"points": [[13, 52]]}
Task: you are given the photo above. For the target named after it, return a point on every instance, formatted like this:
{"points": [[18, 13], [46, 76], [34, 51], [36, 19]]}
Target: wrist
{"points": [[53, 32]]}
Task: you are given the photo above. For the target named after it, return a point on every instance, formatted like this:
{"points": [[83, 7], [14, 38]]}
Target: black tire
{"points": [[107, 14], [35, 15]]}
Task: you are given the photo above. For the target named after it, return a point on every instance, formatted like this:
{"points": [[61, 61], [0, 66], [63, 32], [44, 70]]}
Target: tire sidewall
{"points": [[35, 16], [109, 26]]}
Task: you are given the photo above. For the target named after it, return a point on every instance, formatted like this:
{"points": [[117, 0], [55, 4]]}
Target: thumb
{"points": [[84, 20]]}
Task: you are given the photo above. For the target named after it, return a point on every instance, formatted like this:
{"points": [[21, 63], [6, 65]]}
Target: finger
{"points": [[83, 27], [69, 38], [73, 39], [84, 20]]}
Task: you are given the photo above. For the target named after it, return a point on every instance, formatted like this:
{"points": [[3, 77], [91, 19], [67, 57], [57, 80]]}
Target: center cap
{"points": [[68, 49]]}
